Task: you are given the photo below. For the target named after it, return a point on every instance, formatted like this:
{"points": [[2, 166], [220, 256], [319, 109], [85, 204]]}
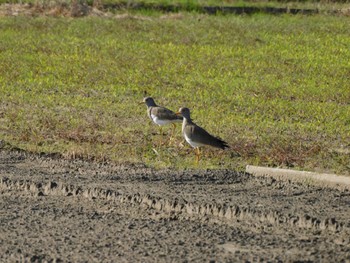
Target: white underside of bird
{"points": [[156, 120], [192, 143]]}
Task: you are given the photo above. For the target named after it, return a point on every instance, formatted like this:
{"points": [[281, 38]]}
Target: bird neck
{"points": [[186, 121]]}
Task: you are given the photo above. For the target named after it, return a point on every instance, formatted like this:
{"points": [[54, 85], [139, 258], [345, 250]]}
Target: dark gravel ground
{"points": [[57, 210]]}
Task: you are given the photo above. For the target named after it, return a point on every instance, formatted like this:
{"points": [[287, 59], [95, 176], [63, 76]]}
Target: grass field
{"points": [[276, 88]]}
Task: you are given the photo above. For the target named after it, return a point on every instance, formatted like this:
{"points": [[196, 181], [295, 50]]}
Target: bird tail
{"points": [[218, 143]]}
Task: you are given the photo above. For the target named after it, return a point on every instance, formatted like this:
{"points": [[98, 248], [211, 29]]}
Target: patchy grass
{"points": [[276, 88], [195, 5]]}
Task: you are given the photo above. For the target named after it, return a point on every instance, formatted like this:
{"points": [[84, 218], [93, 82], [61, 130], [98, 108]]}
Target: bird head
{"points": [[149, 102], [185, 112]]}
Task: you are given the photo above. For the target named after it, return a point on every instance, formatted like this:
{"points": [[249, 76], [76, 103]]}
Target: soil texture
{"points": [[56, 210]]}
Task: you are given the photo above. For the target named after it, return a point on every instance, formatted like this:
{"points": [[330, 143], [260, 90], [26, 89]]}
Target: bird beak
{"points": [[142, 102], [178, 113]]}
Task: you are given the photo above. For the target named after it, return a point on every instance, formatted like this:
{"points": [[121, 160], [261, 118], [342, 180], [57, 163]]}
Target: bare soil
{"points": [[57, 210]]}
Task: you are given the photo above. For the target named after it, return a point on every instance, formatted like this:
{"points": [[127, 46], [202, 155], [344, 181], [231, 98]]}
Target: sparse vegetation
{"points": [[193, 5], [276, 88]]}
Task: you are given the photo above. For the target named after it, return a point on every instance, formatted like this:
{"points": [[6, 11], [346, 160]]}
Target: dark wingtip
{"points": [[221, 144], [225, 145]]}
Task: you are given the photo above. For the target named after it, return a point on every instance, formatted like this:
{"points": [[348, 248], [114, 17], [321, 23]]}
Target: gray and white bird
{"points": [[197, 136], [161, 115]]}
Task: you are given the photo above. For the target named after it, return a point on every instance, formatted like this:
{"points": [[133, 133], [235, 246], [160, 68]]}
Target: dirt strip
{"points": [[340, 182], [57, 210]]}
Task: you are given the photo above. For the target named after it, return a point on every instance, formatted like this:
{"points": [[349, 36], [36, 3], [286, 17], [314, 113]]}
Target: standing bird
{"points": [[161, 115], [197, 136]]}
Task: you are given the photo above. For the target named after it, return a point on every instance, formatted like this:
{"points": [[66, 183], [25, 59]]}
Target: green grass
{"points": [[276, 88]]}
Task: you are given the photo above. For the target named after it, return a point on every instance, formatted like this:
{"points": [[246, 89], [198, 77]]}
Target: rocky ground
{"points": [[57, 210]]}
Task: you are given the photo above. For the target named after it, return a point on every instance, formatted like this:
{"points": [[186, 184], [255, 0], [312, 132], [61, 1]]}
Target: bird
{"points": [[196, 136], [161, 115]]}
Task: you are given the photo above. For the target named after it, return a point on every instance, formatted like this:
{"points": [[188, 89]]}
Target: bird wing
{"points": [[164, 114], [201, 136]]}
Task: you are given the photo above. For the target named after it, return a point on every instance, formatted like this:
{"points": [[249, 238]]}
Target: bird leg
{"points": [[163, 142], [198, 153], [161, 136], [172, 133]]}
